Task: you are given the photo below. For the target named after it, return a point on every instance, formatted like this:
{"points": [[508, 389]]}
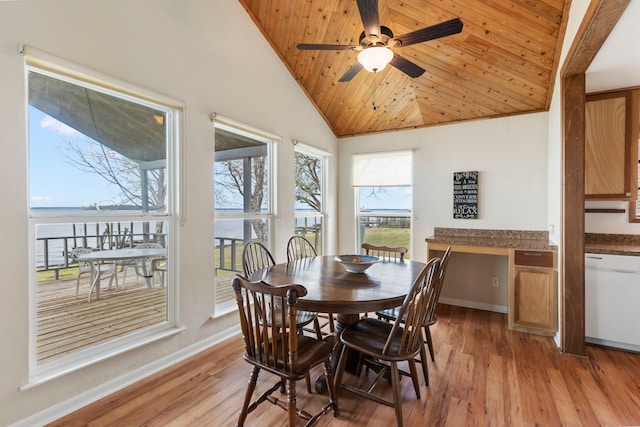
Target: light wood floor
{"points": [[483, 375]]}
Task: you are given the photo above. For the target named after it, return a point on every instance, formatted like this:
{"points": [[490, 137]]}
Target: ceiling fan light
{"points": [[375, 58]]}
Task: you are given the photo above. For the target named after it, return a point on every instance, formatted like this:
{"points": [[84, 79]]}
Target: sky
{"points": [[386, 198], [53, 181]]}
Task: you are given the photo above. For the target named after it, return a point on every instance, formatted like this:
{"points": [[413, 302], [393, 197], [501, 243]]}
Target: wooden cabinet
{"points": [[611, 150], [533, 293]]}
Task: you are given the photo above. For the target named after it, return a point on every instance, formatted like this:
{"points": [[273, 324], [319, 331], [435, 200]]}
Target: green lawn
{"points": [[384, 236], [387, 236]]}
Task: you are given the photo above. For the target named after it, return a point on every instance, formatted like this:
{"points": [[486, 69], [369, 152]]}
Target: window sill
{"points": [[83, 359]]}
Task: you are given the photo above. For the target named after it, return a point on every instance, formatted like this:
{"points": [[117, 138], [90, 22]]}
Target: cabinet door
{"points": [[534, 300], [608, 146]]}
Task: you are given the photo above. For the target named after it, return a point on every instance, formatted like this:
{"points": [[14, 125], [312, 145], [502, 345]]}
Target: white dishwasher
{"points": [[612, 300]]}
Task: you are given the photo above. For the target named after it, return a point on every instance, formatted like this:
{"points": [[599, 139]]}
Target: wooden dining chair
{"points": [[299, 247], [273, 347], [391, 315], [395, 254], [256, 258], [386, 344]]}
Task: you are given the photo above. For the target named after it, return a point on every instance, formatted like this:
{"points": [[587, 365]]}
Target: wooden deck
{"points": [[66, 324]]}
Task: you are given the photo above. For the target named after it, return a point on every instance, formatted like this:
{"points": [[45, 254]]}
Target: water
{"points": [[56, 235]]}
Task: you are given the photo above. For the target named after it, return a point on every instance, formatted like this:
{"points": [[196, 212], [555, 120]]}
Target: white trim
{"points": [[271, 216], [323, 156], [473, 304], [97, 353], [45, 64], [48, 63], [242, 128], [77, 402], [310, 149]]}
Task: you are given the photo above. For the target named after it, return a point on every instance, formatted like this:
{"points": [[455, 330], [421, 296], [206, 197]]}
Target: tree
{"points": [[230, 188], [119, 171], [125, 174], [308, 181]]}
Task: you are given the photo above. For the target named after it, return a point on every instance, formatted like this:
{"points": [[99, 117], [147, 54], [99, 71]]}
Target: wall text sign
{"points": [[465, 195]]}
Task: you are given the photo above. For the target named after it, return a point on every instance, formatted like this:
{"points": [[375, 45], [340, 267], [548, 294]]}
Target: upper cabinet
{"points": [[611, 145]]}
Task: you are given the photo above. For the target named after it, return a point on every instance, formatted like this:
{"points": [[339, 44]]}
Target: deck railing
{"points": [[61, 258], [228, 249]]}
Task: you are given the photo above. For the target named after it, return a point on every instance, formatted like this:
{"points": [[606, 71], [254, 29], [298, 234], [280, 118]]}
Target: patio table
{"points": [[121, 255]]}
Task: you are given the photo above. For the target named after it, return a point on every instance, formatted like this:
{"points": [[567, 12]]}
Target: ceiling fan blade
{"points": [[351, 72], [309, 46], [443, 29], [406, 66], [370, 16]]}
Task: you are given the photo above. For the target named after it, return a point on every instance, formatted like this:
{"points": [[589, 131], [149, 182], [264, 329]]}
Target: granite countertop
{"points": [[515, 239], [612, 244]]}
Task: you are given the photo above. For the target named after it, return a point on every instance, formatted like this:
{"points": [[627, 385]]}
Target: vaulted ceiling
{"points": [[502, 63]]}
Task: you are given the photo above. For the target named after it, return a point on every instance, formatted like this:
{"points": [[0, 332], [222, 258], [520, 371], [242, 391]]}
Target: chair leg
{"points": [[307, 380], [423, 362], [414, 377], [427, 333], [291, 402], [251, 386], [333, 399], [332, 328], [316, 326], [342, 363], [397, 395]]}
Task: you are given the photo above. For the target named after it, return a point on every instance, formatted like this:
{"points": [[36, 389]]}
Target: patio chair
{"points": [[386, 344], [88, 267], [273, 346], [137, 263]]}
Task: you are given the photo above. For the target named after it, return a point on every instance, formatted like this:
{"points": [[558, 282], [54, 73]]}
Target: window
{"points": [[383, 192], [243, 199], [309, 169], [101, 173]]}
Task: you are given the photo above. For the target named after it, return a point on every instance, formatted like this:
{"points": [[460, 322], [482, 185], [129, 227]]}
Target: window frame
{"points": [[270, 216], [72, 73], [324, 158], [373, 183]]}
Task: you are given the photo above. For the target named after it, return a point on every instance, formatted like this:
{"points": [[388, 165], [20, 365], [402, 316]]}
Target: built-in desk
{"points": [[532, 271]]}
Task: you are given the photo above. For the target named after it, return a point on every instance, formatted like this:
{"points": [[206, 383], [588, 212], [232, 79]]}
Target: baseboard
{"points": [[64, 408], [473, 304], [613, 344]]}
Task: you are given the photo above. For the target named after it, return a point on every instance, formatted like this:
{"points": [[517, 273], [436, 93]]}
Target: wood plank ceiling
{"points": [[502, 63]]}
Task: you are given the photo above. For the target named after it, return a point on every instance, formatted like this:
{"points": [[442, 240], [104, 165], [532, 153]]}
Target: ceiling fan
{"points": [[376, 42]]}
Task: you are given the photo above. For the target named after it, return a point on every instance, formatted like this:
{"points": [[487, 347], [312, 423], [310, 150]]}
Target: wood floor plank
{"points": [[484, 374]]}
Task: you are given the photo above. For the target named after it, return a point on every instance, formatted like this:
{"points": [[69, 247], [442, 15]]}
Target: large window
{"points": [[101, 174], [310, 168], [384, 199], [243, 191]]}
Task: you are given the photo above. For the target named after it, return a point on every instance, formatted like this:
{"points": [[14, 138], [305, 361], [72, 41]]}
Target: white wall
{"points": [[207, 54], [510, 155]]}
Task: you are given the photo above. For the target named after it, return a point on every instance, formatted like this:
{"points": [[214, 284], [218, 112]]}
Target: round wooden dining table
{"points": [[332, 289]]}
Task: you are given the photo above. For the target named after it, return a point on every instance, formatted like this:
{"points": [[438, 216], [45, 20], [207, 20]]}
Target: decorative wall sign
{"points": [[465, 195]]}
